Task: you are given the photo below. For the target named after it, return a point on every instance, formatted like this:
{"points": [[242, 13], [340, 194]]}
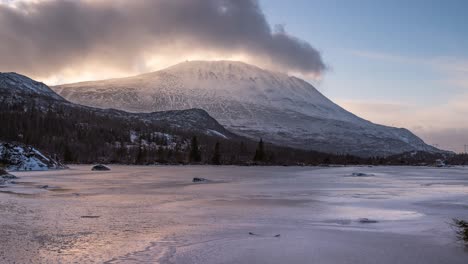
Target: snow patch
{"points": [[133, 136], [216, 133]]}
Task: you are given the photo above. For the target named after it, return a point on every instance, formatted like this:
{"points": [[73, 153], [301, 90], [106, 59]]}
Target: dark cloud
{"points": [[46, 37]]}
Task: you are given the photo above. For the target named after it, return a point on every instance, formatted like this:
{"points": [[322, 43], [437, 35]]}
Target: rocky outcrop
{"points": [[20, 157]]}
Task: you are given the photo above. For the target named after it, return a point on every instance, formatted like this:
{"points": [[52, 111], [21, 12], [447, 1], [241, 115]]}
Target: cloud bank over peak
{"points": [[53, 37]]}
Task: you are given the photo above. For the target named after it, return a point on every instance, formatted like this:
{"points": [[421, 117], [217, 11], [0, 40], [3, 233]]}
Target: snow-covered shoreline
{"points": [[21, 157]]}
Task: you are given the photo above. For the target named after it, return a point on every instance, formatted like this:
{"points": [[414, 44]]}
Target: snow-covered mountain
{"points": [[249, 101], [15, 83], [18, 89]]}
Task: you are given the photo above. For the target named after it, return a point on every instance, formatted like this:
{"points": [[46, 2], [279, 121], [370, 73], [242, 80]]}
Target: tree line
{"points": [[80, 135]]}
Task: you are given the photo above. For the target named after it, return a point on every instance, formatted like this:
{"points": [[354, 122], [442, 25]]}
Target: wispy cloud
{"points": [[446, 63]]}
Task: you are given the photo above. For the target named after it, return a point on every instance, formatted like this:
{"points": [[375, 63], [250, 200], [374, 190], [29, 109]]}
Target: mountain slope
{"points": [[251, 102], [16, 88], [12, 83], [31, 113]]}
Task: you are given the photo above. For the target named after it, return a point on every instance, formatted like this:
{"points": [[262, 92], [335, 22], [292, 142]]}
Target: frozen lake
{"points": [[156, 214]]}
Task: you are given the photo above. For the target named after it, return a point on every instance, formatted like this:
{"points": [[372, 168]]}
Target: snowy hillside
{"points": [[33, 113], [19, 157], [18, 84], [19, 89], [249, 101]]}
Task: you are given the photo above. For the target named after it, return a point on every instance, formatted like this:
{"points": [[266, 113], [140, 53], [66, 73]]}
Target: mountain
{"points": [[32, 113], [251, 102], [16, 88]]}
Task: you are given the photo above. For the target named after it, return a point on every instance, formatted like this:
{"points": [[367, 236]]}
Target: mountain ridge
{"points": [[17, 87], [33, 114], [251, 102], [74, 133], [15, 82]]}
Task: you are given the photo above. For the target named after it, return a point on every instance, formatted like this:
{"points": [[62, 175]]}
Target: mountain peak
{"points": [[220, 69], [216, 64]]}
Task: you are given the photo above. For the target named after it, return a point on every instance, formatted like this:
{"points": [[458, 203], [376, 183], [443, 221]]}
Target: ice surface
{"points": [[155, 214]]}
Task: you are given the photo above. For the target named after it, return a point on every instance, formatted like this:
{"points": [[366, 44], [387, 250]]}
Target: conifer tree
{"points": [[260, 152], [216, 160], [195, 155], [139, 157], [67, 154]]}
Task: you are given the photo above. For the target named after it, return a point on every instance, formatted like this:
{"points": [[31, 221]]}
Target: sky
{"points": [[398, 63]]}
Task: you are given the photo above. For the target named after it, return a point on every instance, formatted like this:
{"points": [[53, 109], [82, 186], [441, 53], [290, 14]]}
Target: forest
{"points": [[82, 135]]}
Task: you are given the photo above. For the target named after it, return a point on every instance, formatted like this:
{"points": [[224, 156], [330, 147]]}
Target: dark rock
{"points": [[90, 216], [100, 167], [199, 180], [7, 176], [361, 174], [367, 221]]}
